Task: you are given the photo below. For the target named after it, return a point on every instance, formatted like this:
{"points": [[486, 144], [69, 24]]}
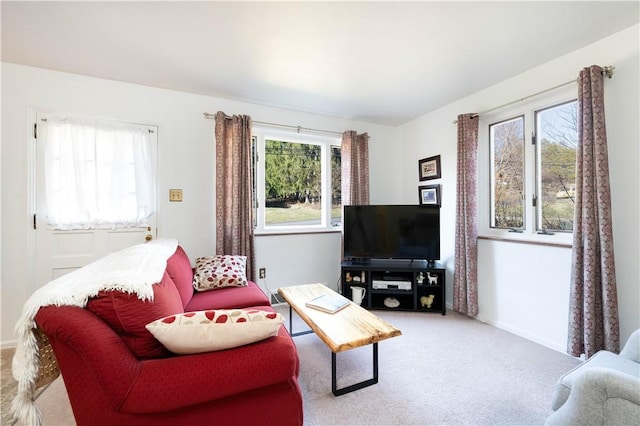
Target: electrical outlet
{"points": [[262, 273]]}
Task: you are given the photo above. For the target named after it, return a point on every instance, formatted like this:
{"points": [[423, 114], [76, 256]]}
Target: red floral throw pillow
{"points": [[214, 330], [219, 271]]}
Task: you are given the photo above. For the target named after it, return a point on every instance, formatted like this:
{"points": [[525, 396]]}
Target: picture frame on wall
{"points": [[429, 195], [429, 168]]}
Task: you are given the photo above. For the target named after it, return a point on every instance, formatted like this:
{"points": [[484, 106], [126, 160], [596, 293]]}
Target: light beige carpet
{"points": [[443, 370], [8, 387]]}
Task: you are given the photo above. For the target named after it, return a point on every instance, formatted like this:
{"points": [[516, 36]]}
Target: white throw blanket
{"points": [[132, 270]]}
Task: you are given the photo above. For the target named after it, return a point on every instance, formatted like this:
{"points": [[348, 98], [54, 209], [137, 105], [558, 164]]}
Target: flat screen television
{"points": [[392, 232]]}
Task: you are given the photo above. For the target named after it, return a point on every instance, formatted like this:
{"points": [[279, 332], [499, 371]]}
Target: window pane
{"points": [[557, 135], [336, 186], [292, 183], [506, 140]]}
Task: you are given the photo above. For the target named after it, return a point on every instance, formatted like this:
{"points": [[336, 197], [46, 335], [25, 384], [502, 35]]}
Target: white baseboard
{"points": [[526, 335], [11, 344], [519, 332]]}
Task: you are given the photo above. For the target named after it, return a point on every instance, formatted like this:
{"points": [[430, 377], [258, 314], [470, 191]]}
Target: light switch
{"points": [[175, 195]]}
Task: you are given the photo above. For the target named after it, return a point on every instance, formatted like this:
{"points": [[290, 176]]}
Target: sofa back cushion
{"points": [[127, 315], [180, 271], [228, 298]]}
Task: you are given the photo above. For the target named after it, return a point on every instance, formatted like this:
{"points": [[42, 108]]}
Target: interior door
{"points": [[58, 252]]}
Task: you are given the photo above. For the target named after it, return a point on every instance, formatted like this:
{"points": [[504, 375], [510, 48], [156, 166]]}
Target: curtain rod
{"points": [[287, 126], [608, 71]]}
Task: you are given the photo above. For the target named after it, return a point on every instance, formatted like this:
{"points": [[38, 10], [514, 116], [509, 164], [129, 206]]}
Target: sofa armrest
{"points": [[182, 381], [631, 349], [73, 333], [600, 396]]}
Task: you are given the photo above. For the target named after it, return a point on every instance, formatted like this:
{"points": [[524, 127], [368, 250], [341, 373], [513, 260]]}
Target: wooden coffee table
{"points": [[349, 328]]}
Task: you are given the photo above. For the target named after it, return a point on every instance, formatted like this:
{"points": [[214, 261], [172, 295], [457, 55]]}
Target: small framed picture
{"points": [[429, 168], [429, 195]]}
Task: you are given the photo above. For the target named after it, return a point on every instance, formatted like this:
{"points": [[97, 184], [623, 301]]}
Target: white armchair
{"points": [[605, 390]]}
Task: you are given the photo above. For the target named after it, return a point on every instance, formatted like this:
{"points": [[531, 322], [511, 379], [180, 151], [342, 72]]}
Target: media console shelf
{"points": [[400, 285]]}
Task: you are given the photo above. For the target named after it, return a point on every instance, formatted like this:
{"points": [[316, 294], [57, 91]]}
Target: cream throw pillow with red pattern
{"points": [[219, 271], [214, 330]]}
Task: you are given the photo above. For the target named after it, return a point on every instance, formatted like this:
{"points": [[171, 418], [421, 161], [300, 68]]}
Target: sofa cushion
{"points": [[228, 298], [214, 330], [213, 272], [180, 271], [127, 315]]}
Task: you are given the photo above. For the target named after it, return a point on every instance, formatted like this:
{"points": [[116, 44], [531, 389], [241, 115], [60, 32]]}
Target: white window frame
{"points": [[527, 108], [326, 142]]}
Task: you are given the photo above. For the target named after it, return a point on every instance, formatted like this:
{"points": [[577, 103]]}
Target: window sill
{"points": [[296, 231], [564, 241]]}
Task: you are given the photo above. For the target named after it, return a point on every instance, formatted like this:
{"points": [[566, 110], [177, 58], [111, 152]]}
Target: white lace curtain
{"points": [[98, 174]]}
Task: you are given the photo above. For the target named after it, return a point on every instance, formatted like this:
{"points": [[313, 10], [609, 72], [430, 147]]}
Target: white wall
{"points": [[299, 259], [524, 288], [185, 160]]}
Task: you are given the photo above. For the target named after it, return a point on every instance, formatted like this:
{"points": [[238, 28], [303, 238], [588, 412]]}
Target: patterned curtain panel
{"points": [[354, 153], [234, 212], [355, 168], [593, 308], [465, 278]]}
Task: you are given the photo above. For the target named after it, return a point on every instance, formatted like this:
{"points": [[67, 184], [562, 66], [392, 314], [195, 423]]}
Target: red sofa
{"points": [[116, 372]]}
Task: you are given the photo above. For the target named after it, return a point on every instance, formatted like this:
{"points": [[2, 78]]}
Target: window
{"points": [[507, 173], [297, 181], [556, 142], [531, 179], [98, 174]]}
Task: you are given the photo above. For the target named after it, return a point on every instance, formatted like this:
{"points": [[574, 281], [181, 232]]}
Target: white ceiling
{"points": [[383, 62]]}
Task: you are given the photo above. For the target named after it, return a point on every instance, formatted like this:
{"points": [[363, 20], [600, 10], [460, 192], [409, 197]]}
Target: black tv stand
{"points": [[360, 261], [396, 284]]}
